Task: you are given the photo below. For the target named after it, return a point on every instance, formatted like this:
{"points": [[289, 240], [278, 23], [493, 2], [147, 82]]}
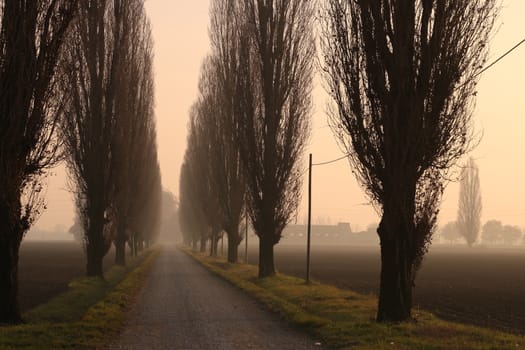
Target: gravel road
{"points": [[183, 306]]}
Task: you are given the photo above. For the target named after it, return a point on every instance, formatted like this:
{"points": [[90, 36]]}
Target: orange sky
{"points": [[180, 34]]}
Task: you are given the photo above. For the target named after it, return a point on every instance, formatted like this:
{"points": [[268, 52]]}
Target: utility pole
{"points": [[309, 220], [246, 240]]}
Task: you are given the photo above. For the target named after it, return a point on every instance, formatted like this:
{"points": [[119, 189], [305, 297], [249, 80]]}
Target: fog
{"points": [[336, 195], [468, 270]]}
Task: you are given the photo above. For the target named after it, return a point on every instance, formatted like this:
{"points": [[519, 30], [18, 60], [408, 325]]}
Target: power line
{"points": [[500, 57], [480, 72], [331, 161], [304, 171]]}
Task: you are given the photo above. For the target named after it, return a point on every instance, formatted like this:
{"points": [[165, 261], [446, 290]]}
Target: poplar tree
{"points": [[469, 210], [402, 76], [32, 36]]}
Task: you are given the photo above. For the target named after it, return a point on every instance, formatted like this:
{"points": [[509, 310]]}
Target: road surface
{"points": [[183, 306]]}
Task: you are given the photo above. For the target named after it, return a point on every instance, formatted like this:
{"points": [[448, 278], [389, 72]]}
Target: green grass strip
{"points": [[87, 316], [345, 320]]}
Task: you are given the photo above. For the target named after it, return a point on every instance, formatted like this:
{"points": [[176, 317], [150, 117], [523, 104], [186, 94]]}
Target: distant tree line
{"points": [[492, 232], [76, 84], [169, 222], [468, 227]]}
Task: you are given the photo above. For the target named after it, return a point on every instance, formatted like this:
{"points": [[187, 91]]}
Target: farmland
{"points": [[46, 268], [478, 286], [481, 286]]}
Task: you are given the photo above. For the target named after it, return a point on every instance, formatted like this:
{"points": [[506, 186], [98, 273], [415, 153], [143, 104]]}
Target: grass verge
{"points": [[86, 316], [345, 320]]}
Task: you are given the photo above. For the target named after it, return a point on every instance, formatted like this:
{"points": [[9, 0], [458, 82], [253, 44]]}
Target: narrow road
{"points": [[183, 306]]}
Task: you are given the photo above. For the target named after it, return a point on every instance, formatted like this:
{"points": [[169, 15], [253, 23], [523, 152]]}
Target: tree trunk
{"points": [[233, 247], [135, 246], [120, 246], [131, 245], [395, 292], [120, 252], [9, 308], [214, 244], [95, 242], [194, 245], [266, 265], [203, 245], [94, 263]]}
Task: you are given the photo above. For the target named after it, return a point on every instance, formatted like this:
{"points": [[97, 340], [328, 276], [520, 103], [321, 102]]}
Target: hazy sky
{"points": [[180, 31]]}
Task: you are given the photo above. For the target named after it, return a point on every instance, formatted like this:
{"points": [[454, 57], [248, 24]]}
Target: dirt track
{"points": [[184, 306]]}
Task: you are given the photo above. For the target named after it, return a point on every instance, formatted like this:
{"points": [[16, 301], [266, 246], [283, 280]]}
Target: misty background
{"points": [[181, 42]]}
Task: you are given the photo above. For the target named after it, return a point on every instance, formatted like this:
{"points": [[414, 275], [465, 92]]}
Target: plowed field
{"points": [[46, 268], [482, 286]]}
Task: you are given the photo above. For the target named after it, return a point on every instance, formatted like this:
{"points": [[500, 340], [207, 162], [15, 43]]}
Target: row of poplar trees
{"points": [[250, 124], [402, 78], [76, 86]]}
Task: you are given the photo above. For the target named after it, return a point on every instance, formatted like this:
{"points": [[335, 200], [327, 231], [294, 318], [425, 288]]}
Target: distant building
{"points": [[321, 234], [340, 234]]}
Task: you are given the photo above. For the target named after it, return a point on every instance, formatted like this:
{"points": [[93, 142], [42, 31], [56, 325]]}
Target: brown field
{"points": [[46, 268], [481, 286]]}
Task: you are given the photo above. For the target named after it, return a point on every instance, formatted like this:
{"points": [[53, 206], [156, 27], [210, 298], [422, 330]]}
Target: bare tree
{"points": [[450, 232], [134, 99], [127, 14], [31, 38], [147, 222], [88, 124], [142, 222], [145, 184], [511, 234], [198, 196], [274, 120], [469, 211], [208, 132], [402, 75], [204, 167], [491, 232], [228, 41], [192, 222]]}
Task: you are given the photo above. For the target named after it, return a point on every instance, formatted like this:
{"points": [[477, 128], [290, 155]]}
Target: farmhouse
{"points": [[322, 234]]}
